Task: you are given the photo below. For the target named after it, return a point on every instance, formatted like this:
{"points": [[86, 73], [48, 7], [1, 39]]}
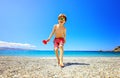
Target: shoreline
{"points": [[46, 67], [53, 58]]}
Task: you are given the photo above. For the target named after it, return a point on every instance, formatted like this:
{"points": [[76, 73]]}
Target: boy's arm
{"points": [[65, 35], [53, 31]]}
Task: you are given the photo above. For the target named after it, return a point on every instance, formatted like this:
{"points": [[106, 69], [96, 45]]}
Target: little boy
{"points": [[60, 37]]}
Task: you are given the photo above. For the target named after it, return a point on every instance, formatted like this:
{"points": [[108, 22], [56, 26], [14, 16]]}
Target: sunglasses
{"points": [[61, 19]]}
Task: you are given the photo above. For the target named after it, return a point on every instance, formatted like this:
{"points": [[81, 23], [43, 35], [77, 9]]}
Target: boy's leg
{"points": [[61, 55], [57, 56]]}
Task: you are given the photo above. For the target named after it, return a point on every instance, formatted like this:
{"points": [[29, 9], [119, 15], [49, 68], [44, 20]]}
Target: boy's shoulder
{"points": [[55, 25]]}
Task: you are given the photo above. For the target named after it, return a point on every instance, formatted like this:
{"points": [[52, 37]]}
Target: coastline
{"points": [[46, 67]]}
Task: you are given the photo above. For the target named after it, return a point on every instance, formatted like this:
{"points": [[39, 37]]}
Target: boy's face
{"points": [[61, 20]]}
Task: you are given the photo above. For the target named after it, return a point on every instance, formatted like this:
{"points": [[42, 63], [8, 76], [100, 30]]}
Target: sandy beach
{"points": [[46, 67]]}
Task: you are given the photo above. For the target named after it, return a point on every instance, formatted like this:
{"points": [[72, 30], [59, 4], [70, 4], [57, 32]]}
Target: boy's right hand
{"points": [[48, 40]]}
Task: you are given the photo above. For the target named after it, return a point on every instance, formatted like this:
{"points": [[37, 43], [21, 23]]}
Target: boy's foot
{"points": [[61, 65]]}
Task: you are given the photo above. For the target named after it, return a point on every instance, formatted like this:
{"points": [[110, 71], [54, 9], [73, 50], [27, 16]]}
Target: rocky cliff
{"points": [[117, 49]]}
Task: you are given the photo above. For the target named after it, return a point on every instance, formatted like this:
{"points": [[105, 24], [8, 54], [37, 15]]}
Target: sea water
{"points": [[38, 53]]}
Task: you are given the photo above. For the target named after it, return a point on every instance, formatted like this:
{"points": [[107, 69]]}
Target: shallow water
{"points": [[52, 53]]}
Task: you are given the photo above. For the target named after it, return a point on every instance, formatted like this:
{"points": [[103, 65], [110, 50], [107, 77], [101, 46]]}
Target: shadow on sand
{"points": [[69, 64]]}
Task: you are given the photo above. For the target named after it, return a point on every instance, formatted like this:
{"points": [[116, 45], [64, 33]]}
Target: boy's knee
{"points": [[56, 49], [61, 46]]}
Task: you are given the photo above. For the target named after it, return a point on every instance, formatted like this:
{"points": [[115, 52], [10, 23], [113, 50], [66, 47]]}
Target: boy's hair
{"points": [[62, 15]]}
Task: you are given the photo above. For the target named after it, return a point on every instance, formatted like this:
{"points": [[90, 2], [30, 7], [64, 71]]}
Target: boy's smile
{"points": [[61, 21]]}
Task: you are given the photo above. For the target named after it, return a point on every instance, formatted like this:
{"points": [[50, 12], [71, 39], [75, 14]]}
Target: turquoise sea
{"points": [[38, 53]]}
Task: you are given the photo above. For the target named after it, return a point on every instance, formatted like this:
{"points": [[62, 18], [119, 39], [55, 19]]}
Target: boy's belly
{"points": [[59, 35]]}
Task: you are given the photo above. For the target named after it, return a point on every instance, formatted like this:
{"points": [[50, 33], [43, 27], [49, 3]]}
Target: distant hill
{"points": [[9, 48], [117, 49]]}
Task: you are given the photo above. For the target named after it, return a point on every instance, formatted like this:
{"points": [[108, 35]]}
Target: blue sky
{"points": [[91, 24]]}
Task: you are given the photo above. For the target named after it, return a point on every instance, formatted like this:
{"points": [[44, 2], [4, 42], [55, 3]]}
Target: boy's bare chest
{"points": [[59, 30]]}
